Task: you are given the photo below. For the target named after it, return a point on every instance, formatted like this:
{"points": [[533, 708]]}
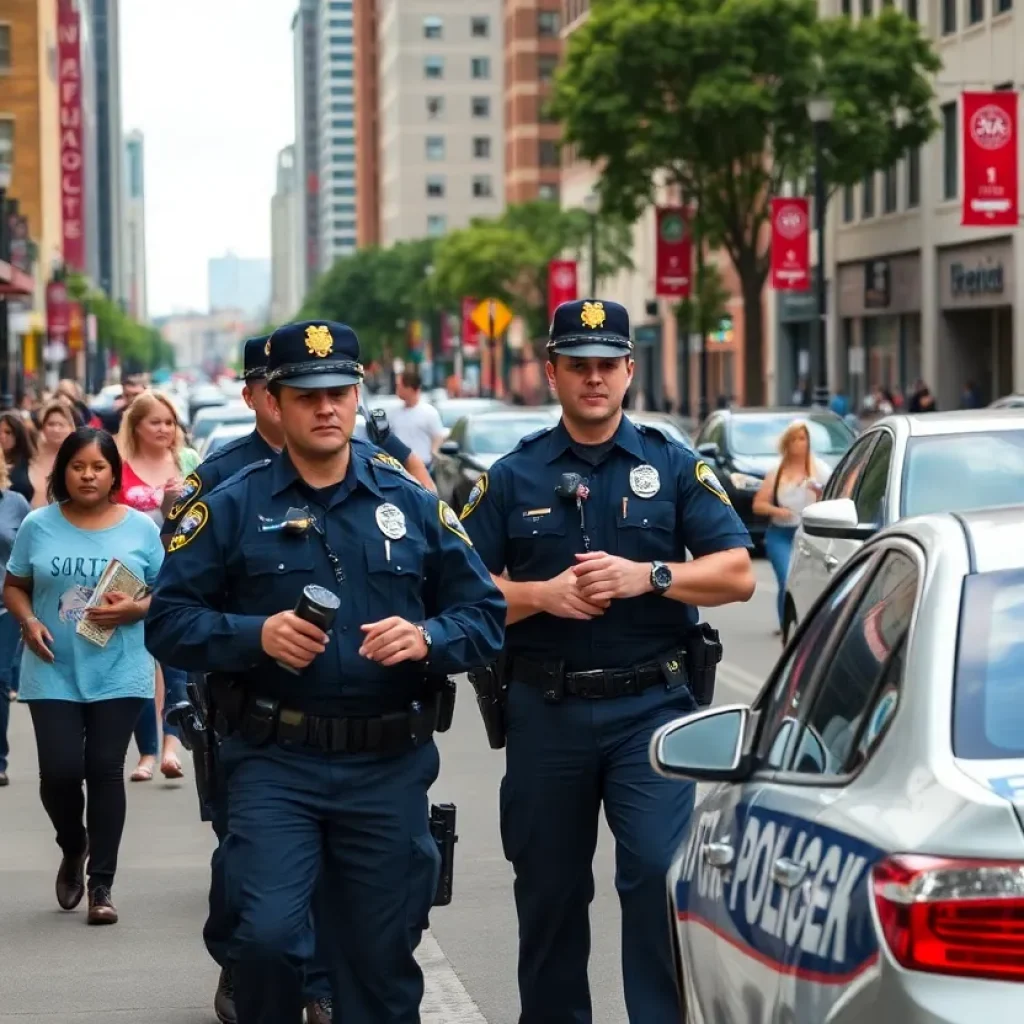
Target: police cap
{"points": [[254, 357], [314, 354], [590, 329]]}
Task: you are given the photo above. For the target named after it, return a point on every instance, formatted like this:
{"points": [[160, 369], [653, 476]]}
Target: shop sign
{"points": [[986, 279]]}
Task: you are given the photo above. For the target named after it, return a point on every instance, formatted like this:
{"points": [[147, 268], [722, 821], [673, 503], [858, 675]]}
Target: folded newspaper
{"points": [[116, 577]]}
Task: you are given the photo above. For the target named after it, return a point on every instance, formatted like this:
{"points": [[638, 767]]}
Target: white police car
{"points": [[859, 857]]}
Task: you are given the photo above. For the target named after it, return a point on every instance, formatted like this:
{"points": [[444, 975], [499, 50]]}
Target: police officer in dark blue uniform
{"points": [[592, 520], [330, 752]]}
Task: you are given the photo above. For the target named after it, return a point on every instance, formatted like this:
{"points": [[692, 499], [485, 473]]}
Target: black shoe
{"points": [[71, 880], [319, 1011], [4, 781], [224, 999], [101, 907]]}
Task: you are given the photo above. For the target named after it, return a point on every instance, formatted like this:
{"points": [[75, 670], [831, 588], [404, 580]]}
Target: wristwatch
{"points": [[427, 639], [661, 577]]}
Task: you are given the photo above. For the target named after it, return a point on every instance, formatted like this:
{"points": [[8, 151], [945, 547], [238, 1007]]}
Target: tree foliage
{"points": [[508, 258], [713, 94]]}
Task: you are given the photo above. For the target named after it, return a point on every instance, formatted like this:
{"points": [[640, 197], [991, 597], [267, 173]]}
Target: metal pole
{"points": [[702, 327], [492, 345], [6, 401], [820, 199], [593, 255]]}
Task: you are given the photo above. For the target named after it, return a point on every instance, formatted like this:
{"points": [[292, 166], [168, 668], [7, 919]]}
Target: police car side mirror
{"points": [[708, 746], [836, 519], [449, 448]]}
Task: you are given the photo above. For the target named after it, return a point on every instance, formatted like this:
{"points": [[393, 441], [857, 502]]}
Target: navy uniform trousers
{"points": [[361, 823], [562, 762]]}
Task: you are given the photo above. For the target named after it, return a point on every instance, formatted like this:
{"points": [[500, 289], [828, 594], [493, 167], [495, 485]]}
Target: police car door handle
{"points": [[831, 563], [788, 872], [718, 855]]}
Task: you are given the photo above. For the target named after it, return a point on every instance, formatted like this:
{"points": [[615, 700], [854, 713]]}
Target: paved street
{"points": [[153, 967]]}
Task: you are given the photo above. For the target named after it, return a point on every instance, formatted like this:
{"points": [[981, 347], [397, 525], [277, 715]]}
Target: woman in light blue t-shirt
{"points": [[84, 698]]}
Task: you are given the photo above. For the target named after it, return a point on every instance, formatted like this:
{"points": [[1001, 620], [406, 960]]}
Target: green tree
{"points": [[508, 258], [712, 96]]}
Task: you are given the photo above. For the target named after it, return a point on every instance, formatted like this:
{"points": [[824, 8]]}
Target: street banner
{"points": [[76, 327], [470, 333], [791, 245], [58, 311], [990, 159], [563, 284], [674, 254], [72, 159]]}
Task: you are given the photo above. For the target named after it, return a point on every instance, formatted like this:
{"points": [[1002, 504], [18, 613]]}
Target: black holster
{"points": [[703, 653], [446, 692], [491, 686], [194, 720], [442, 828]]}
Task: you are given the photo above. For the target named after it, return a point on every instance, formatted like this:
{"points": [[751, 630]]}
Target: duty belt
{"points": [[601, 682]]}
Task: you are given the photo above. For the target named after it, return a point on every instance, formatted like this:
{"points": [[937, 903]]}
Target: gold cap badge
{"points": [[592, 315], [319, 341]]}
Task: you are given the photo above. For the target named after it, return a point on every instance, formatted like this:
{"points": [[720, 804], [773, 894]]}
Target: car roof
{"points": [[776, 410], [961, 421]]}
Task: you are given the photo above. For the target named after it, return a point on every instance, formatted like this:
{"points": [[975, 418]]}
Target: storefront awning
{"points": [[14, 282]]}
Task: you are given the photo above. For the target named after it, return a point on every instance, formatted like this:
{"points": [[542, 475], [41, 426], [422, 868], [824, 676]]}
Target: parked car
{"points": [[223, 433], [1008, 402], [478, 440], [904, 465], [209, 417], [859, 854], [671, 426], [742, 447], [452, 410]]}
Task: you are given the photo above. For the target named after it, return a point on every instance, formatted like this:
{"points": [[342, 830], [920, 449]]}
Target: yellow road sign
{"points": [[492, 312]]}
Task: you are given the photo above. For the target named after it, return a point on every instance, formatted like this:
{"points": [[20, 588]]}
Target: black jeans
{"points": [[85, 742]]}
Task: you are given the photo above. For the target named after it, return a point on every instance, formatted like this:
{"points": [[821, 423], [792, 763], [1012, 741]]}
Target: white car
{"points": [[903, 465]]}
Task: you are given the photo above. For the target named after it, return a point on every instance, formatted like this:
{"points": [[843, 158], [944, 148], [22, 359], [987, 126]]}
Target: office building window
{"points": [[548, 192], [950, 152], [890, 198], [549, 24], [482, 147], [548, 153], [948, 17], [435, 147], [482, 186], [480, 27], [866, 8], [913, 178], [867, 197], [480, 67], [342, 123], [341, 41], [433, 28], [341, 73], [5, 47], [437, 225], [344, 190], [435, 106], [435, 186], [847, 8], [433, 67], [546, 64], [848, 210], [481, 106], [975, 11], [1002, 6], [911, 9]]}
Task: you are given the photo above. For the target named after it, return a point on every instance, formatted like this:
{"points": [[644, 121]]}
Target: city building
{"points": [[305, 45], [337, 130], [367, 70], [210, 341], [135, 227], [442, 114], [533, 48], [285, 260], [234, 283]]}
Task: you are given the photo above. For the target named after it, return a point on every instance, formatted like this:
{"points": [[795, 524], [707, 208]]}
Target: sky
{"points": [[210, 84]]}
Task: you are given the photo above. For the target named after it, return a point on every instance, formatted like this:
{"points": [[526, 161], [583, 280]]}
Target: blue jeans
{"points": [[147, 733], [778, 545], [10, 639]]}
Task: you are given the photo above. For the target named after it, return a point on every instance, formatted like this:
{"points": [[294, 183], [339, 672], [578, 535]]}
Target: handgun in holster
{"points": [[192, 720], [703, 653], [445, 692], [491, 686], [442, 829]]}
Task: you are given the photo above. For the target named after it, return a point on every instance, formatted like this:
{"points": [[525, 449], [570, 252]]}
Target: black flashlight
{"points": [[319, 606]]}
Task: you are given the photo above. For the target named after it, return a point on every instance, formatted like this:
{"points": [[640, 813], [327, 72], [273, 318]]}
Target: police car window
{"points": [[849, 687], [783, 707], [843, 481], [870, 497]]}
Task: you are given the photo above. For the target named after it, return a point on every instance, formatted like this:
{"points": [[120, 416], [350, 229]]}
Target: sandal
{"points": [[170, 768], [142, 774]]}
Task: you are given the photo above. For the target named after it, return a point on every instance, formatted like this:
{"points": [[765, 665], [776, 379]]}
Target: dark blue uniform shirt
{"points": [[518, 523], [224, 576]]}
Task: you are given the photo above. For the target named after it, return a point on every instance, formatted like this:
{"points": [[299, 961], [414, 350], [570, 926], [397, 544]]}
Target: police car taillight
{"points": [[946, 916]]}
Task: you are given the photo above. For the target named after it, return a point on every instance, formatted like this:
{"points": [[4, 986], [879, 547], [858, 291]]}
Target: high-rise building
{"points": [[285, 260], [367, 69], [305, 35], [441, 115], [135, 227], [533, 48], [337, 130], [239, 284]]}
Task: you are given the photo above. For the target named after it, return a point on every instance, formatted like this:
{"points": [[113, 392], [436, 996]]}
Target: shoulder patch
{"points": [[476, 495], [707, 479], [190, 490], [388, 460], [450, 521], [190, 527]]}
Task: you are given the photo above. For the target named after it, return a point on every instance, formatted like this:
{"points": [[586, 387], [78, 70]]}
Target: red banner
{"points": [[990, 159], [562, 284], [58, 311], [674, 254], [470, 334], [72, 159], [791, 245]]}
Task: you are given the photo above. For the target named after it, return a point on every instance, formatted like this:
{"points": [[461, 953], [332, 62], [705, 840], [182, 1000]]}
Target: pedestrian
{"points": [[19, 449], [591, 520], [417, 422], [55, 423], [84, 698], [329, 753]]}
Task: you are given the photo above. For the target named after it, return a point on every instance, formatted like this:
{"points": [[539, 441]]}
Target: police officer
{"points": [[592, 520], [330, 753]]}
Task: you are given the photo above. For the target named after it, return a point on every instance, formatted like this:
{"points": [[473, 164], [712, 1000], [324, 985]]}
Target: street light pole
{"points": [[6, 166], [820, 110], [592, 204]]}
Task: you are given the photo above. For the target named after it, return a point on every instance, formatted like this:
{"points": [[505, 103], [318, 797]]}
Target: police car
{"points": [[859, 855]]}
